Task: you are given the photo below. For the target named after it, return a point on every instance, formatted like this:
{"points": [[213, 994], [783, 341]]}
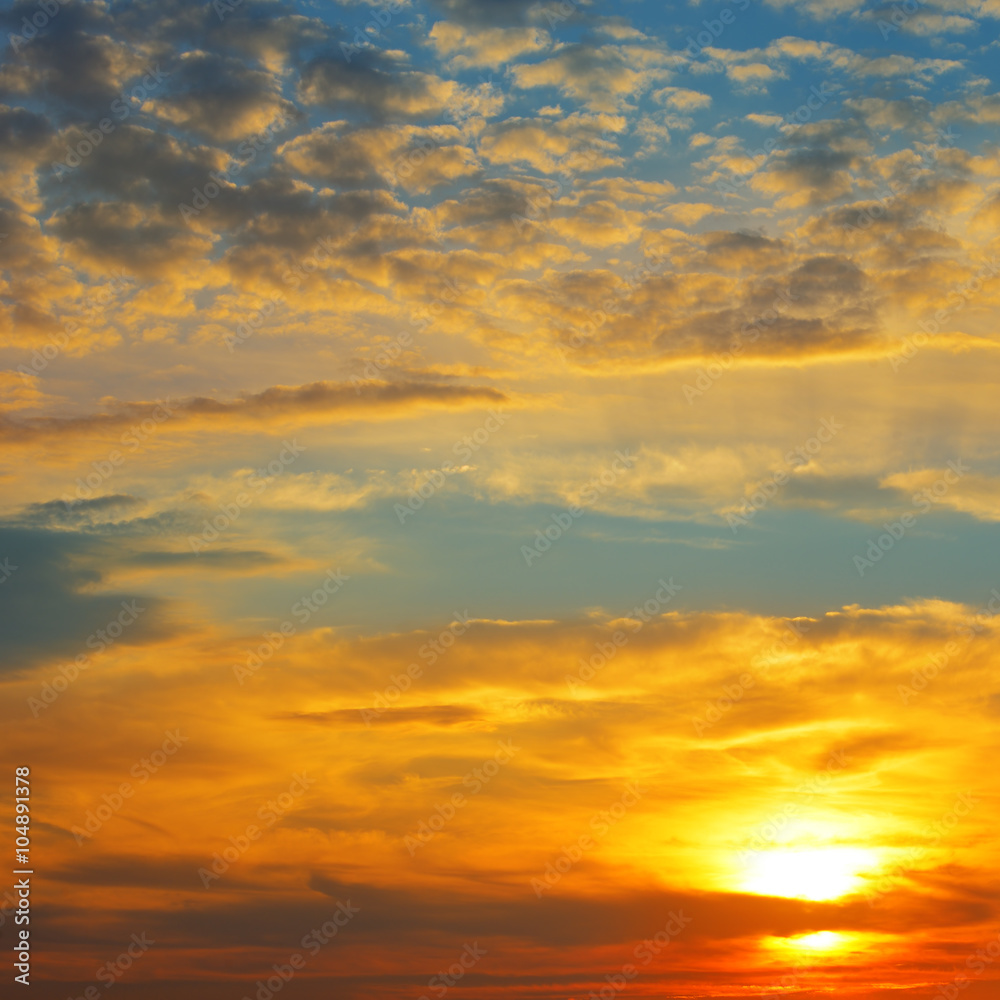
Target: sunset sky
{"points": [[502, 486]]}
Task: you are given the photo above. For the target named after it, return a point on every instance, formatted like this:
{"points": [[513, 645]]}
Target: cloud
{"points": [[682, 99], [920, 22], [105, 235], [417, 159], [381, 90], [317, 402], [603, 77], [766, 751], [721, 289], [76, 60], [464, 48], [428, 715], [574, 144], [23, 133], [53, 604], [973, 494], [81, 512], [222, 98], [212, 560], [767, 63]]}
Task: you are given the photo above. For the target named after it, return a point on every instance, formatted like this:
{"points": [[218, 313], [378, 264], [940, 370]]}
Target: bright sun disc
{"points": [[826, 873], [820, 941]]}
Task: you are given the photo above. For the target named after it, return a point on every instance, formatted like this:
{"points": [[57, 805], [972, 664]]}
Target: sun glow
{"points": [[820, 941], [824, 873]]}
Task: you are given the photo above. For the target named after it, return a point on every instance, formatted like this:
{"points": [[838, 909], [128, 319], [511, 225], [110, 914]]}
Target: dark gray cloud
{"points": [[221, 97], [81, 512], [278, 401], [372, 83], [75, 59], [560, 920], [50, 607], [230, 560], [22, 132]]}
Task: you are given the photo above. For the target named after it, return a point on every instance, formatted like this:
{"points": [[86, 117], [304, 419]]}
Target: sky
{"points": [[500, 498]]}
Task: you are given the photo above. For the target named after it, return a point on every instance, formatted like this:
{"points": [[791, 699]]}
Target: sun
{"points": [[820, 941], [816, 874]]}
